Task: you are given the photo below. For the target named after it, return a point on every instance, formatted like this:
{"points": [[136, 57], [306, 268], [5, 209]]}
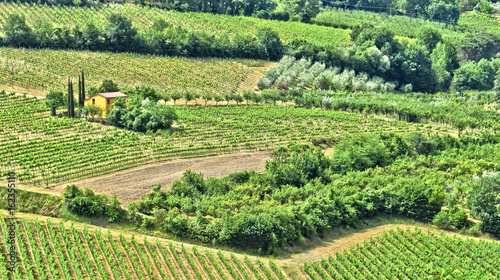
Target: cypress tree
{"points": [[80, 97], [83, 85], [69, 99]]}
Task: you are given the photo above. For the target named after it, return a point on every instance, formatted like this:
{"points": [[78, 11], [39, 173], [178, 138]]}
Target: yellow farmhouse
{"points": [[104, 100]]}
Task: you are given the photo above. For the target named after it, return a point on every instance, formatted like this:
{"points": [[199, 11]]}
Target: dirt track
{"points": [[133, 183]]}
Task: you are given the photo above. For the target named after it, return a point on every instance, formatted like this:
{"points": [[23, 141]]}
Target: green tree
{"points": [[91, 37], [475, 76], [414, 7], [238, 99], [484, 7], [305, 9], [444, 62], [53, 100], [443, 11], [272, 42], [94, 111], [118, 33], [208, 97], [175, 96], [188, 96], [484, 201], [218, 98], [478, 46], [429, 37], [16, 30], [247, 96], [496, 86], [106, 86]]}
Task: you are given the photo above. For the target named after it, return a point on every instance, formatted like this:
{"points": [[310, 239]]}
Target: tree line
{"points": [[161, 39]]}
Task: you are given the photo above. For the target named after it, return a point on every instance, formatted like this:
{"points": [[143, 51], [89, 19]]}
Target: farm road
{"points": [[133, 183]]}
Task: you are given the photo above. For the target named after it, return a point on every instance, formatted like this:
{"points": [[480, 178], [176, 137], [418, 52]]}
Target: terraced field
{"points": [[51, 250], [49, 151]]}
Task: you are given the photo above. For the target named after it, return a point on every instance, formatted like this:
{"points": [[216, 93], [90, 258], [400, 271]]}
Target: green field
{"points": [[471, 22], [51, 250], [44, 70], [143, 18], [47, 150], [407, 254]]}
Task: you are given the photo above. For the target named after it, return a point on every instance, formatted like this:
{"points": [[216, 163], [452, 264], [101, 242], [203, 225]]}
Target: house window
{"points": [[93, 101], [108, 101]]}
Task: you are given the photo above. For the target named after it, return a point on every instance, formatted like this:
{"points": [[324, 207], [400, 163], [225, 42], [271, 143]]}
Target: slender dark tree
{"points": [[80, 96], [72, 101], [83, 86], [69, 98]]}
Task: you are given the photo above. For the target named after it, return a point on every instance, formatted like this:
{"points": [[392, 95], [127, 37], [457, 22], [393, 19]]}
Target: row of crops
{"points": [[407, 254], [46, 150], [46, 250], [47, 69], [406, 26], [143, 18]]}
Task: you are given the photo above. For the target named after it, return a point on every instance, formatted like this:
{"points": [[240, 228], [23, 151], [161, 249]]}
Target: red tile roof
{"points": [[112, 94], [109, 95]]}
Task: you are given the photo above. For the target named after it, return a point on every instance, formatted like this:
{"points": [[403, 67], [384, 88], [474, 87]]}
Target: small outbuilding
{"points": [[104, 101]]}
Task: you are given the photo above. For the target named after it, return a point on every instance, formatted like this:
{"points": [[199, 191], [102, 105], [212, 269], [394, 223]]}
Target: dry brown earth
{"points": [[133, 183]]}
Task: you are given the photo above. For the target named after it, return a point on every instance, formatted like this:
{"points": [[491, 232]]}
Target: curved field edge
{"points": [[87, 251]]}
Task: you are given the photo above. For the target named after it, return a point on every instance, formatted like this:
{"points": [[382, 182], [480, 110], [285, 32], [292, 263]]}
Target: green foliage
{"points": [[484, 7], [479, 46], [119, 34], [442, 11], [106, 86], [429, 37], [421, 144], [53, 100], [86, 203], [306, 10], [458, 217], [16, 30], [442, 219], [360, 152], [484, 201], [271, 42], [146, 118], [476, 75], [444, 62]]}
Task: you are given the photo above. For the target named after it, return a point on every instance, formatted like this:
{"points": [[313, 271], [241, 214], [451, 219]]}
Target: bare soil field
{"points": [[131, 184]]}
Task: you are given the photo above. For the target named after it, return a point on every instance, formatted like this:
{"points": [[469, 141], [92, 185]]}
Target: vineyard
{"points": [[48, 151], [47, 250], [406, 26], [143, 18], [406, 254], [45, 70]]}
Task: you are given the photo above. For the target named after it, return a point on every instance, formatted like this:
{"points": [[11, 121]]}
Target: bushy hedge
{"points": [[86, 203]]}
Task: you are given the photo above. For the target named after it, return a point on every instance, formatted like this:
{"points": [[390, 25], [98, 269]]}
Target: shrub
{"points": [[484, 201], [483, 7], [148, 222], [86, 203], [458, 217], [476, 229], [442, 219], [263, 83]]}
